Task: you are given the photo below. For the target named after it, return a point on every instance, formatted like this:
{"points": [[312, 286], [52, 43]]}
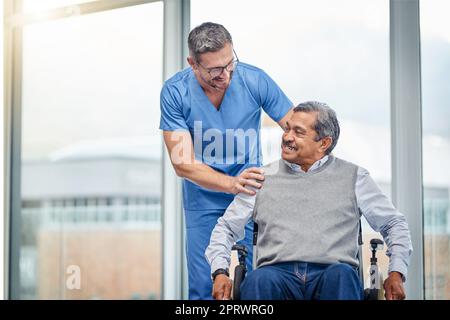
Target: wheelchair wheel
{"points": [[239, 275]]}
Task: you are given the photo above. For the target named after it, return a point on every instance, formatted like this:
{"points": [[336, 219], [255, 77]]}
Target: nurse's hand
{"points": [[222, 287], [247, 178]]}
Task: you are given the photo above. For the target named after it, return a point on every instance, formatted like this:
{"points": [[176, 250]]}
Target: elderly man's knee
{"points": [[341, 281], [262, 277], [263, 283]]}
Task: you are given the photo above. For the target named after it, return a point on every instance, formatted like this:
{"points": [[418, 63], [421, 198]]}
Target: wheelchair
{"points": [[375, 290]]}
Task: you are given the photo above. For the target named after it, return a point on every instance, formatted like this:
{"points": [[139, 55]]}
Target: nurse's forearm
{"points": [[205, 176], [180, 148], [209, 178]]}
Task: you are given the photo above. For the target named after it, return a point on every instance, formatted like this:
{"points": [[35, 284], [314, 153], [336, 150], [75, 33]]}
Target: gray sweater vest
{"points": [[310, 217]]}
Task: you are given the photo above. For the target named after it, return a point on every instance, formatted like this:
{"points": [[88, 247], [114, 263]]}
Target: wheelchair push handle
{"points": [[375, 244], [375, 290]]}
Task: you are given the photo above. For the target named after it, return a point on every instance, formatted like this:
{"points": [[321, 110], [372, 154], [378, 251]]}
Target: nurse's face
{"points": [[215, 69]]}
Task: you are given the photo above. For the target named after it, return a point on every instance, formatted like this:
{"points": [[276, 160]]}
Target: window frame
{"points": [[406, 131], [15, 20]]}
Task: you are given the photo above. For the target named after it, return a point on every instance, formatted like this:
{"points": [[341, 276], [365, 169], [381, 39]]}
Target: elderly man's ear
{"points": [[325, 144]]}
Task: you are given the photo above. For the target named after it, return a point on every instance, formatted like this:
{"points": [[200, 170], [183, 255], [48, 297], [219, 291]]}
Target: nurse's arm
{"points": [[181, 152]]}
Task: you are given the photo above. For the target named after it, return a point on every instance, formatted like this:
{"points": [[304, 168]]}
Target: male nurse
{"points": [[211, 119]]}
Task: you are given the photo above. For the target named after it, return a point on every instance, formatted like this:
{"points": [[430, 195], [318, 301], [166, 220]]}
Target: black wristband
{"points": [[219, 271]]}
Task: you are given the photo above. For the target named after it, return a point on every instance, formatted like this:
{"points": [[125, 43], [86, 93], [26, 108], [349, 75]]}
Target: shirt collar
{"points": [[316, 165]]}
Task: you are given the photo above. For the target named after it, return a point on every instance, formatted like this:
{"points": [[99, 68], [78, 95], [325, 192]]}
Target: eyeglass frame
{"points": [[209, 70]]}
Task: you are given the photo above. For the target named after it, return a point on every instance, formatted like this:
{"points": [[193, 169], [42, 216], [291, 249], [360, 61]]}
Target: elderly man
{"points": [[208, 113], [308, 213]]}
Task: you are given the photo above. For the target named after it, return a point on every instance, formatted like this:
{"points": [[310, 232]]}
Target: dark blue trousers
{"points": [[199, 226], [302, 281]]}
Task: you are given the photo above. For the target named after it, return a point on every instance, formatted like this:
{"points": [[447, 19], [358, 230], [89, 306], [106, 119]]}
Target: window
{"points": [[91, 156], [334, 52], [435, 45], [33, 6]]}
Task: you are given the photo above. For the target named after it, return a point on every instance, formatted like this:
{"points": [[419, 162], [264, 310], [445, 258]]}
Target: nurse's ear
{"points": [[192, 63]]}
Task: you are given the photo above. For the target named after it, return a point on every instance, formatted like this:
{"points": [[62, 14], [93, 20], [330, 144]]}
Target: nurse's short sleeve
{"points": [[172, 117], [273, 100]]}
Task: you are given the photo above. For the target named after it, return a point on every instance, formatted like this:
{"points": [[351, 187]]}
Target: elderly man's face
{"points": [[299, 143], [210, 60]]}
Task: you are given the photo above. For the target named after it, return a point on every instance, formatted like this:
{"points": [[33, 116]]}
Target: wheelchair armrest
{"points": [[240, 270], [239, 275], [242, 253]]}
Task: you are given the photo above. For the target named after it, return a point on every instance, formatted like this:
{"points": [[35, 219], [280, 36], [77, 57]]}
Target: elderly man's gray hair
{"points": [[207, 37], [326, 124]]}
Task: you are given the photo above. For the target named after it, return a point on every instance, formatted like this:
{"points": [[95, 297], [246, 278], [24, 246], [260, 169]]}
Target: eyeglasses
{"points": [[217, 71]]}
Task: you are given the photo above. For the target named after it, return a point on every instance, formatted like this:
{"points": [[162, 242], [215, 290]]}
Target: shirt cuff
{"points": [[396, 264], [219, 263]]}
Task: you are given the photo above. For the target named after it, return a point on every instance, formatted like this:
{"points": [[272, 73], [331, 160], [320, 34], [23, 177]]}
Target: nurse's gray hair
{"points": [[327, 124], [207, 37]]}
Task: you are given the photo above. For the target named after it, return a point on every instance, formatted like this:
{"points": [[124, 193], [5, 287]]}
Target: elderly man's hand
{"points": [[393, 287], [222, 287]]}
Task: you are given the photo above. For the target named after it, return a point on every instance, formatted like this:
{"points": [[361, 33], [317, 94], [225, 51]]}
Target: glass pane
{"points": [[435, 44], [331, 51], [38, 6], [91, 156]]}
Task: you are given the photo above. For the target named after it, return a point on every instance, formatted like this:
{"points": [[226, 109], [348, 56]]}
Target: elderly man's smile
{"points": [[288, 148]]}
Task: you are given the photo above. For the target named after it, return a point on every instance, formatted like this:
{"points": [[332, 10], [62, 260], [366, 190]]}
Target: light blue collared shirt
{"points": [[378, 210]]}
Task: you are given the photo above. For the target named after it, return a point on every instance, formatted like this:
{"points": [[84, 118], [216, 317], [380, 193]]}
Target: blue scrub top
{"points": [[228, 139]]}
